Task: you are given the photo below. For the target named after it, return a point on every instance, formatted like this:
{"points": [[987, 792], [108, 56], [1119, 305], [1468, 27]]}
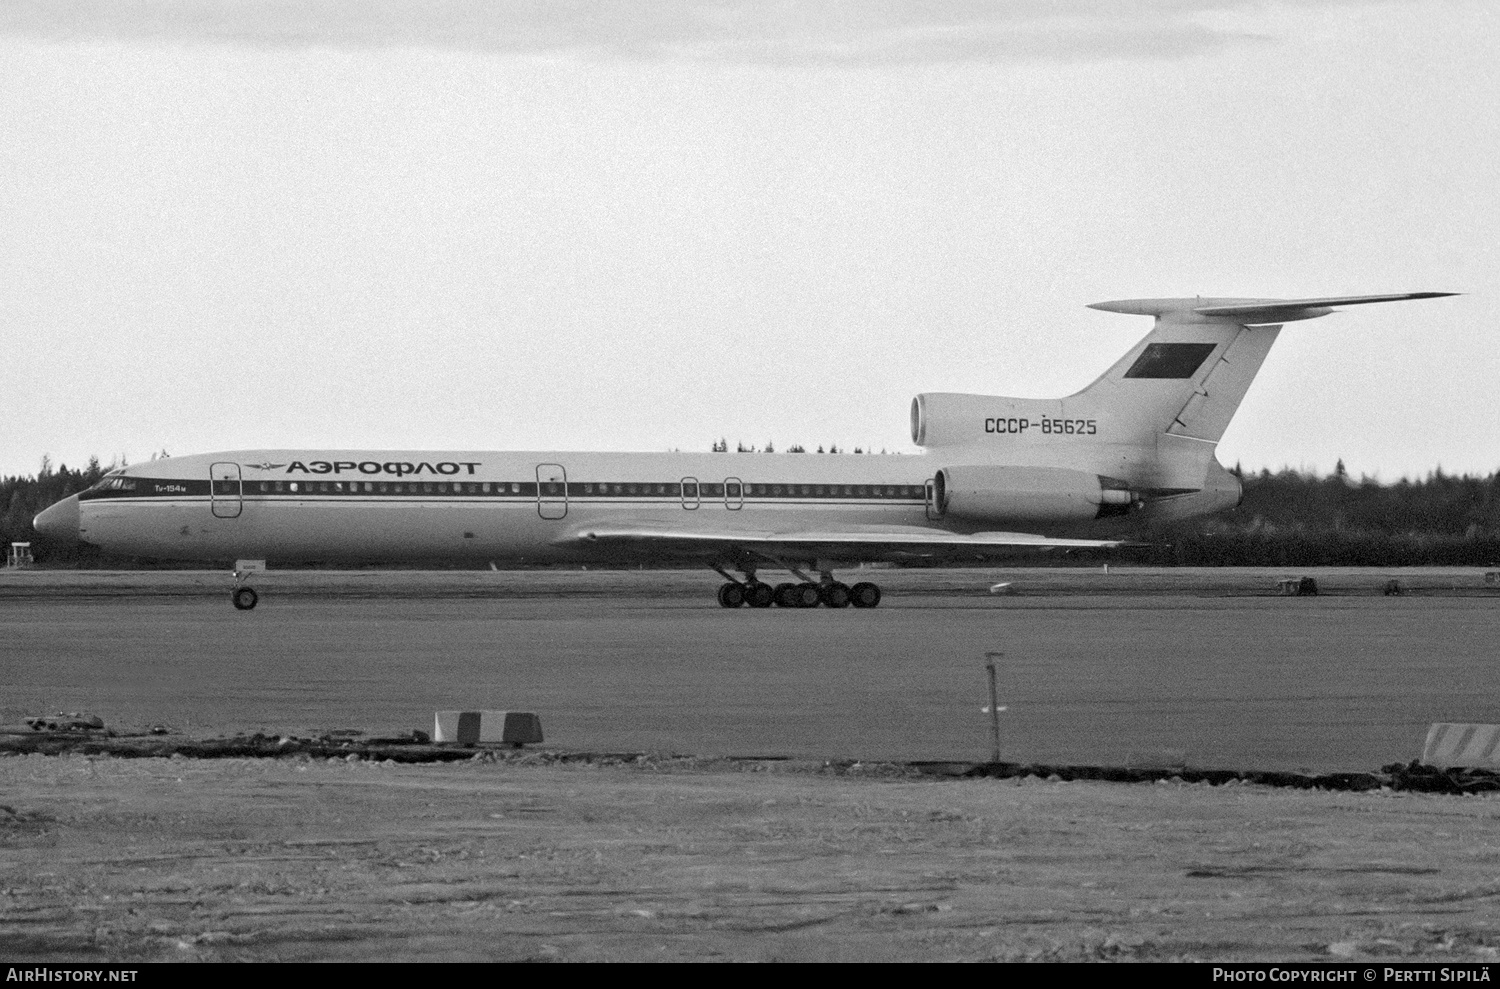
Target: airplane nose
{"points": [[59, 522]]}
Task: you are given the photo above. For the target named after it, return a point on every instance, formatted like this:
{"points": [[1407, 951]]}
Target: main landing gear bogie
{"points": [[829, 594], [803, 595]]}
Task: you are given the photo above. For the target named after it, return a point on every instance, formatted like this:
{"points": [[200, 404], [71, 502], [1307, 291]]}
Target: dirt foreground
{"points": [[114, 859]]}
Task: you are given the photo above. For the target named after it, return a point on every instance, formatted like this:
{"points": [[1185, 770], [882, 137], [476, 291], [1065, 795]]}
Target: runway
{"points": [[1203, 666]]}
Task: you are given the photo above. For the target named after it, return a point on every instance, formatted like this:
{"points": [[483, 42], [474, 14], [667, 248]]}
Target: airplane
{"points": [[996, 476]]}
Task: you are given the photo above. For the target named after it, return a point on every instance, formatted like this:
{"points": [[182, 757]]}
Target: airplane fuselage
{"points": [[485, 506]]}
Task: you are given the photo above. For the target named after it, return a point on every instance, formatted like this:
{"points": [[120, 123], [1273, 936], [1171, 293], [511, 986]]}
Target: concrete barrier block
{"points": [[1462, 746], [474, 727], [1297, 586]]}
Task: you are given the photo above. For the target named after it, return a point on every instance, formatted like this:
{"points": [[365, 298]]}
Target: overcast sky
{"points": [[495, 225]]}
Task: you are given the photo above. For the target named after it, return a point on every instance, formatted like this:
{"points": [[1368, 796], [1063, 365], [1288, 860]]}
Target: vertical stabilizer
{"points": [[1187, 376], [1176, 391]]}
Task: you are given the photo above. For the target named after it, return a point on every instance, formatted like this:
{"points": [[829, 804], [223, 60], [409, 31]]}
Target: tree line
{"points": [[1287, 518], [1301, 519], [21, 498]]}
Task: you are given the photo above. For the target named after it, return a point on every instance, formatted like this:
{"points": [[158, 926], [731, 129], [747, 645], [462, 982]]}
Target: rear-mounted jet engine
{"points": [[1028, 494]]}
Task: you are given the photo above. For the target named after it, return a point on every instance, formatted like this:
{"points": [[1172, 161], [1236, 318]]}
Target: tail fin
{"points": [[1189, 374], [1180, 386]]}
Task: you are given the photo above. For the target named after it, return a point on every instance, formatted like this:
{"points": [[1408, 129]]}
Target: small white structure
{"points": [[473, 727], [20, 555]]}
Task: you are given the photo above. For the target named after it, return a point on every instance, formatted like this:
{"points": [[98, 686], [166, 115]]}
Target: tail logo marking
{"points": [[1170, 360]]}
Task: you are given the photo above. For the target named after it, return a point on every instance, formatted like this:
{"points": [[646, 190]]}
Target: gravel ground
{"points": [[296, 859]]}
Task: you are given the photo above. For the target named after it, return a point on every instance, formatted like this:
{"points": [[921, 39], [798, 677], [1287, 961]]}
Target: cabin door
{"points": [[551, 491], [226, 490]]}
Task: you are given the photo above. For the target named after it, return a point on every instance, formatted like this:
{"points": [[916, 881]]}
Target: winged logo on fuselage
{"points": [[265, 466]]}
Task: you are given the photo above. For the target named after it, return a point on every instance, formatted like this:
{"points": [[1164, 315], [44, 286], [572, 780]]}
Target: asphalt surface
{"points": [[1207, 668]]}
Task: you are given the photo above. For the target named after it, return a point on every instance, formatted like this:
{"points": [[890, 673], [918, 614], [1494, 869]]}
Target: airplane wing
{"points": [[856, 543]]}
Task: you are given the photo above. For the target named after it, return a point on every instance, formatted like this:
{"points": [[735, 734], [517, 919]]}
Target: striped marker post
{"points": [[1462, 746], [473, 727], [989, 664]]}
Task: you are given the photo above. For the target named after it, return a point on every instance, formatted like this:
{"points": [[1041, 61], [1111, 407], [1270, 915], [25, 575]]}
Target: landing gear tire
{"points": [[783, 595], [806, 596], [758, 595], [864, 595], [244, 598], [835, 595], [731, 595]]}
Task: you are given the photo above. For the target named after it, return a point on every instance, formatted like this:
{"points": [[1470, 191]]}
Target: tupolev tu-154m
{"points": [[996, 476]]}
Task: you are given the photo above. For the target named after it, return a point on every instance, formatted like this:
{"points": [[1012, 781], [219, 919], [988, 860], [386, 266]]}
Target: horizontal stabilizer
{"points": [[1252, 310]]}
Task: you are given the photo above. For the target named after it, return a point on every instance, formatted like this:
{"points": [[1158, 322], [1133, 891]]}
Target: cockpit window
{"points": [[113, 481]]}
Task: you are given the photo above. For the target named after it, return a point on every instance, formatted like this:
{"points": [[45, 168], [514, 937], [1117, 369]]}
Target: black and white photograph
{"points": [[492, 481]]}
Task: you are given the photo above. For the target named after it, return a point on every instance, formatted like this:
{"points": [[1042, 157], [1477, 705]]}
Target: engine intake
{"points": [[1029, 494]]}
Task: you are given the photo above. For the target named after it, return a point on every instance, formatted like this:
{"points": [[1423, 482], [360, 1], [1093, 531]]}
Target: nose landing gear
{"points": [[243, 595]]}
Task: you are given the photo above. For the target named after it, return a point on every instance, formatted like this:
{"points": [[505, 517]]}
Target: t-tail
{"points": [[1150, 424]]}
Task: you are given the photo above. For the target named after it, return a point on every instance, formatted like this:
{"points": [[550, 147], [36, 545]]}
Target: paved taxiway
{"points": [[1102, 669]]}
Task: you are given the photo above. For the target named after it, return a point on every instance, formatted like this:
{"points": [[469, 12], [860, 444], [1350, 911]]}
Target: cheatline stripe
{"points": [[153, 488], [532, 503]]}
